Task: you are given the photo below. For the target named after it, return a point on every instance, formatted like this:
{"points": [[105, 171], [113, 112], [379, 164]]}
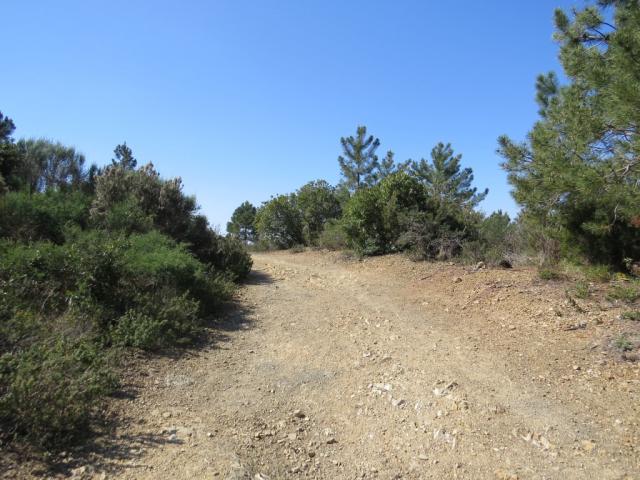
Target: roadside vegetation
{"points": [[576, 176], [93, 261]]}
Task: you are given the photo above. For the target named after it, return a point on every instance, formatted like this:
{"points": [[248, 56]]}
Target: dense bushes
{"points": [[92, 262], [25, 217], [48, 392], [279, 223], [422, 207]]}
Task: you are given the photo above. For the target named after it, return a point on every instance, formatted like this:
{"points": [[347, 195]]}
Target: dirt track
{"points": [[389, 369]]}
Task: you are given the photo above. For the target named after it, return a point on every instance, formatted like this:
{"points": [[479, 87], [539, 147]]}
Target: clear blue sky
{"points": [[244, 99]]}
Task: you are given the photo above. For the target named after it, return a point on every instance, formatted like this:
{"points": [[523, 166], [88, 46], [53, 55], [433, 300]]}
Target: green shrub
{"points": [[25, 217], [597, 273], [279, 223], [318, 203], [625, 294], [498, 239], [91, 263], [157, 321], [549, 274], [333, 236], [233, 258], [581, 290], [48, 392], [623, 343], [376, 218], [632, 315], [127, 217], [364, 224]]}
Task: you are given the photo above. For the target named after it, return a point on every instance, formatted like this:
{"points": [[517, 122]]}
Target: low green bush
{"points": [[233, 258], [623, 343], [632, 315], [159, 320], [49, 391], [627, 294], [549, 274], [27, 218], [597, 273], [581, 290]]}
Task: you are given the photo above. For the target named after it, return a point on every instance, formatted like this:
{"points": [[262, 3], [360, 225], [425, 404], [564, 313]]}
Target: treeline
{"points": [[93, 261], [576, 177], [426, 207]]}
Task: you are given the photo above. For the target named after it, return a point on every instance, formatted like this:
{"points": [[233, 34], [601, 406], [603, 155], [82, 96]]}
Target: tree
{"points": [[318, 203], [9, 157], [242, 224], [388, 166], [279, 222], [444, 179], [577, 176], [7, 127], [124, 157], [375, 218], [48, 165], [359, 163]]}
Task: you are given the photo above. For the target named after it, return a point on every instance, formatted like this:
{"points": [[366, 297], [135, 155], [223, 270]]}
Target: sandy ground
{"points": [[332, 369]]}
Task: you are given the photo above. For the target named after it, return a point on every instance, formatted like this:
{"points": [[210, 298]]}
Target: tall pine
{"points": [[577, 175], [359, 161], [445, 180]]}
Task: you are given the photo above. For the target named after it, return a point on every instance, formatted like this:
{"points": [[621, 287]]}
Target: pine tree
{"points": [[6, 129], [124, 157], [388, 166], [9, 158], [445, 180], [578, 174], [359, 163], [242, 222]]}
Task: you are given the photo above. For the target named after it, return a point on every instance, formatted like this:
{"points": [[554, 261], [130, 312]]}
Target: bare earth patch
{"points": [[387, 369]]}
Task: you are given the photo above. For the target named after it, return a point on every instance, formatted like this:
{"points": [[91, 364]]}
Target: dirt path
{"points": [[389, 369]]}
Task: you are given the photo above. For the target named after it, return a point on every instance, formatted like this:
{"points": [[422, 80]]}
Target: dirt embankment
{"points": [[388, 369]]}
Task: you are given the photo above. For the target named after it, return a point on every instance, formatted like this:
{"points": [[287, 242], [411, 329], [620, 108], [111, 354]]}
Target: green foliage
{"points": [[26, 218], [279, 222], [498, 240], [632, 315], [440, 233], [577, 175], [623, 343], [46, 165], [375, 218], [129, 201], [359, 163], [581, 290], [333, 237], [549, 274], [232, 258], [92, 262], [49, 391], [627, 294], [597, 273], [445, 181], [242, 224], [158, 320], [124, 157], [318, 204]]}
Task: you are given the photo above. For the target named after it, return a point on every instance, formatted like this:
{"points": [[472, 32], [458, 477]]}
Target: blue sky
{"points": [[245, 99]]}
